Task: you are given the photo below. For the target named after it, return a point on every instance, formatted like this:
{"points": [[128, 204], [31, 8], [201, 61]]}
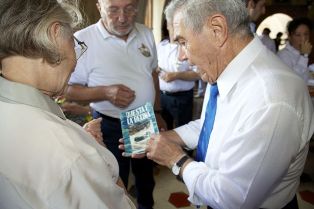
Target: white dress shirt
{"points": [[260, 138], [110, 60], [295, 61], [168, 62], [49, 162]]}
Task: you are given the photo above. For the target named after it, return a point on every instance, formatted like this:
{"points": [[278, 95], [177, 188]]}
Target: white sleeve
{"points": [[189, 133], [247, 170], [80, 74]]}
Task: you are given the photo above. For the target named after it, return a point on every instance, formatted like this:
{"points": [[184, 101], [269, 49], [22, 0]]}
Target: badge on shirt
{"points": [[144, 50]]}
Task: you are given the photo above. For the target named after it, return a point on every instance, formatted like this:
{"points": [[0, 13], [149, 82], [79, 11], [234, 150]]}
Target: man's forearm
{"points": [[173, 137], [188, 76], [79, 93]]}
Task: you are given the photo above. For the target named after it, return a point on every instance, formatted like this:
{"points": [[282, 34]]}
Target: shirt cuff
{"points": [[190, 175]]}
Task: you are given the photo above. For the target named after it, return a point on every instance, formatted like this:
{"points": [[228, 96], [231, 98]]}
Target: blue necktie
{"points": [[208, 123]]}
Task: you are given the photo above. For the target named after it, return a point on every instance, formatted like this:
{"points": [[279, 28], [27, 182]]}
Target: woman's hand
{"points": [[94, 128]]}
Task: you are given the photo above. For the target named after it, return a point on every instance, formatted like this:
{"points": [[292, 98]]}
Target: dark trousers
{"points": [[141, 168], [293, 204], [177, 108]]}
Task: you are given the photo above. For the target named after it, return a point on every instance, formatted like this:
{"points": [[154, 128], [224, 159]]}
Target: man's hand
{"points": [[168, 76], [163, 151], [306, 47], [94, 128], [120, 95]]}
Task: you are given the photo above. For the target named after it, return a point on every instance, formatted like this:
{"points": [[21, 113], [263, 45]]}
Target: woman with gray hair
{"points": [[47, 161]]}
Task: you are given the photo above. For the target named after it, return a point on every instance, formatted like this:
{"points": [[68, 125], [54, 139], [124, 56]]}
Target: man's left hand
{"points": [[163, 151]]}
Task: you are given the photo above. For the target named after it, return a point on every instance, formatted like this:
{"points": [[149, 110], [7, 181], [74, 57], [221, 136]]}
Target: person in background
{"points": [[176, 80], [201, 88], [46, 160], [253, 136], [267, 41], [118, 73], [278, 41], [297, 49], [256, 8]]}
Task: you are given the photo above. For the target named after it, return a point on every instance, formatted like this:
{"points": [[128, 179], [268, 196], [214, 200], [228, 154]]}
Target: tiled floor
{"points": [[167, 184]]}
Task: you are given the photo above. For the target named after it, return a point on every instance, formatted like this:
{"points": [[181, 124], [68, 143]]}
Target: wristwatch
{"points": [[177, 166]]}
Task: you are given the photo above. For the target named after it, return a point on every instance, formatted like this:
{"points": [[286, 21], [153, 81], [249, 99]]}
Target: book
{"points": [[137, 126]]}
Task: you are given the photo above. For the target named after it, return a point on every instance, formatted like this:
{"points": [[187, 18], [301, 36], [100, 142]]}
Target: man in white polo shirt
{"points": [[114, 75], [176, 80]]}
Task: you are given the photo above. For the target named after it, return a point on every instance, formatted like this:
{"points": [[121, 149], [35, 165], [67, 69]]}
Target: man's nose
{"points": [[182, 54], [122, 15]]}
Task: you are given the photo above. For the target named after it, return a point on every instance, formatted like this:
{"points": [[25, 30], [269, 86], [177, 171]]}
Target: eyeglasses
{"points": [[80, 48], [115, 11]]}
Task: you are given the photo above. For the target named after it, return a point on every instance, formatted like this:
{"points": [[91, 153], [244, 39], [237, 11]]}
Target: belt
{"points": [[105, 117], [178, 93]]}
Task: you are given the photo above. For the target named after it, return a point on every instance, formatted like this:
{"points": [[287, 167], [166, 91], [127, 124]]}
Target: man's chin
{"points": [[123, 32]]}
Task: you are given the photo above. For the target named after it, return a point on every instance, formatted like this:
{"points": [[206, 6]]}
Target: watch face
{"points": [[175, 169]]}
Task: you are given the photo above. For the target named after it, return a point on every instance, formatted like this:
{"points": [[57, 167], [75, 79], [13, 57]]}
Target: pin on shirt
{"points": [[144, 50]]}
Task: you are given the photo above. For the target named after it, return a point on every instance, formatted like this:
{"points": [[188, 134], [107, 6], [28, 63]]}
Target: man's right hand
{"points": [[120, 95]]}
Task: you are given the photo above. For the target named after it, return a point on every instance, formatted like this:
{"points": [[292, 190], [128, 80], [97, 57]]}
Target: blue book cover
{"points": [[137, 126]]}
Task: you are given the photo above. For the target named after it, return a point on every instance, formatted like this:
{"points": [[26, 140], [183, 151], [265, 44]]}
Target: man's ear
{"points": [[218, 26]]}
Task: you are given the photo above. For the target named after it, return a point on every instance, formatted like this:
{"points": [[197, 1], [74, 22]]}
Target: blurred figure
{"points": [[176, 80], [267, 41], [297, 50], [47, 161], [278, 41], [256, 8]]}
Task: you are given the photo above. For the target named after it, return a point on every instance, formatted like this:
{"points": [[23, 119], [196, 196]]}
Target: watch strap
{"points": [[182, 161]]}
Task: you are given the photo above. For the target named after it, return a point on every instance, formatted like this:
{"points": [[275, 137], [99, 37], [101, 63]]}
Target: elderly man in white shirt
{"points": [[255, 153]]}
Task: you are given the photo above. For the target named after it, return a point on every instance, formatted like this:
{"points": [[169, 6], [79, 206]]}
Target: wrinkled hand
{"points": [[163, 151], [306, 47], [94, 128], [120, 95], [168, 76]]}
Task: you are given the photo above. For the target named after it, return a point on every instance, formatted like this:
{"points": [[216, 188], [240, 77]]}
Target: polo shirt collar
{"points": [[18, 93], [238, 66], [106, 35]]}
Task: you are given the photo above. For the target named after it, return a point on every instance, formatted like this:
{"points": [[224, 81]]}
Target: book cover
{"points": [[137, 126]]}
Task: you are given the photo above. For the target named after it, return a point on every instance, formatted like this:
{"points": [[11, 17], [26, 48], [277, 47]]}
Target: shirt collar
{"points": [[23, 94], [106, 35], [235, 69]]}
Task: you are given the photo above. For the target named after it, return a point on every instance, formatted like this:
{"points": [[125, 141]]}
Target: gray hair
{"points": [[25, 27], [195, 13]]}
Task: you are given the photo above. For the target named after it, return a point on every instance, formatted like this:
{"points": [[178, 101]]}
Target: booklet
{"points": [[137, 126]]}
